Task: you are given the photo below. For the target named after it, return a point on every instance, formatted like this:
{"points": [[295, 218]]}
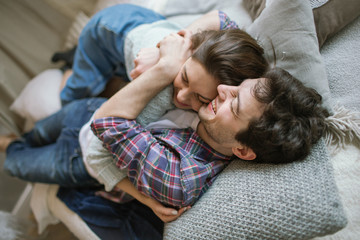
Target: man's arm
{"points": [[128, 102], [163, 164], [151, 164], [164, 213]]}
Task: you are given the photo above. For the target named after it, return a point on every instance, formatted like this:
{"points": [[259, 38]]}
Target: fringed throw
{"points": [[342, 127]]}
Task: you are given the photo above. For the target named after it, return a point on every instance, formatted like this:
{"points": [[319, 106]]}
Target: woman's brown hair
{"points": [[231, 55]]}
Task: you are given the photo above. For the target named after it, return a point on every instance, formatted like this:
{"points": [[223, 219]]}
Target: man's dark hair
{"points": [[293, 119], [231, 55]]}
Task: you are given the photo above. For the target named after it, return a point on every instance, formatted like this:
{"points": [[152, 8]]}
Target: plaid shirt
{"points": [[173, 166], [226, 22]]}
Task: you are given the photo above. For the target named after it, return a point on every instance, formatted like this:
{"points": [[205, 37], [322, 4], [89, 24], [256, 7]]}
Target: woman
{"points": [[110, 42]]}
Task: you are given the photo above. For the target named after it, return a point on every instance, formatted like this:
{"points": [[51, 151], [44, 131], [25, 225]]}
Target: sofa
{"points": [[314, 40]]}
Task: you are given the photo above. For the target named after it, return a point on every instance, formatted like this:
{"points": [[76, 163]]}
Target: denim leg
{"points": [[110, 220], [100, 50], [43, 156]]}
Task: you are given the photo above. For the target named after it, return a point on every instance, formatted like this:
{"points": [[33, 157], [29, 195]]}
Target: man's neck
{"points": [[201, 131]]}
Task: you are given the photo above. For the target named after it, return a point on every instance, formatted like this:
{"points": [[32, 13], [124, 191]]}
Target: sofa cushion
{"points": [[287, 29]]}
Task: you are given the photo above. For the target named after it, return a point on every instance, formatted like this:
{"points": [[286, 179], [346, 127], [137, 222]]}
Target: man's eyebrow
{"points": [[236, 111], [238, 104]]}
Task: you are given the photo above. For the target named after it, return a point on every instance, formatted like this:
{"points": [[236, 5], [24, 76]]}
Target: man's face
{"points": [[231, 111], [194, 86]]}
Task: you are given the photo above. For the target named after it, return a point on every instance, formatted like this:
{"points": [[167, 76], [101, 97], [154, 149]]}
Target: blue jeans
{"points": [[110, 220], [50, 152], [100, 54]]}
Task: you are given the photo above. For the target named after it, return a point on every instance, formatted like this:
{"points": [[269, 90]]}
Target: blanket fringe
{"points": [[343, 127]]}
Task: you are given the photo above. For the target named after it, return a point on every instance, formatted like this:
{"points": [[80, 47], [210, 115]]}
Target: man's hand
{"points": [[145, 59], [164, 213]]}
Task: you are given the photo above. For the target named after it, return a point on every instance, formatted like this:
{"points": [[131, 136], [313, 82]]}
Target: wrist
{"points": [[146, 201], [167, 69]]}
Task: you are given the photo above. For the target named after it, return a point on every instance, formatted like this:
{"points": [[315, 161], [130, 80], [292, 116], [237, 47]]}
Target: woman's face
{"points": [[194, 86]]}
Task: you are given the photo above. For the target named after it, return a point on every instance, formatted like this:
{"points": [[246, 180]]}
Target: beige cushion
{"points": [[333, 16], [329, 18], [254, 7]]}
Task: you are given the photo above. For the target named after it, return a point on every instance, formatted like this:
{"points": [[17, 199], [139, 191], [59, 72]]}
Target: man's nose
{"points": [[224, 87], [222, 90]]}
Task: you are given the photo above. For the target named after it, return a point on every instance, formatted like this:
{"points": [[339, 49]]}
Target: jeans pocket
{"points": [[77, 170], [73, 168]]}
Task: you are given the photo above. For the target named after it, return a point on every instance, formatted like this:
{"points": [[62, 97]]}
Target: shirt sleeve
{"points": [[153, 166], [226, 22], [102, 165]]}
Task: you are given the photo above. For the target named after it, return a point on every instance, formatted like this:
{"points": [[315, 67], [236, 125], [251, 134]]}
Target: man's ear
{"points": [[244, 152]]}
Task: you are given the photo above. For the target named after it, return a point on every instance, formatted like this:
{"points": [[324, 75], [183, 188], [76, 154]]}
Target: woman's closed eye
{"points": [[203, 100], [184, 79]]}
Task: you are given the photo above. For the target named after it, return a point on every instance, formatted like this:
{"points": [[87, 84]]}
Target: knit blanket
{"points": [[341, 56]]}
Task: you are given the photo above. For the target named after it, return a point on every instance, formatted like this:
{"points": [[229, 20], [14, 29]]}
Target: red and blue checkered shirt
{"points": [[226, 22], [173, 166]]}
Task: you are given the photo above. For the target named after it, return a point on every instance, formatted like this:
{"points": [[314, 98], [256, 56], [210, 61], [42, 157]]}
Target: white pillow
{"points": [[40, 97]]}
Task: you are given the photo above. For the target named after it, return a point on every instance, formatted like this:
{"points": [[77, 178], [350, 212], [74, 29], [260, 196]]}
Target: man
{"points": [[225, 131], [271, 119]]}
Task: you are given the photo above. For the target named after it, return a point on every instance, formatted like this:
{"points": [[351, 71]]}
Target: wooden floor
{"points": [[59, 232], [52, 232]]}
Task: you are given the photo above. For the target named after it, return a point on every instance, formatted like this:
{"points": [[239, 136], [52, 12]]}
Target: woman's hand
{"points": [[145, 59], [175, 49], [177, 45], [166, 214]]}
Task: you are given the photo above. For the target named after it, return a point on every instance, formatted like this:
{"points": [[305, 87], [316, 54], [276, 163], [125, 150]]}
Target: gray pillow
{"points": [[260, 201], [289, 26]]}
